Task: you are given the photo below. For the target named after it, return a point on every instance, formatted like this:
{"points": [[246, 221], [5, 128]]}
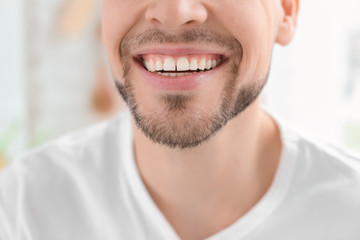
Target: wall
{"points": [[12, 92], [315, 82]]}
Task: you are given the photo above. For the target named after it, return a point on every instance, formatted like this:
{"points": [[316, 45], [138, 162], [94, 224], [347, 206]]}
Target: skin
{"points": [[226, 175]]}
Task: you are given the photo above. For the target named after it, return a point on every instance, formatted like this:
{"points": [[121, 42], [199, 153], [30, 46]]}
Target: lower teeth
{"points": [[174, 74]]}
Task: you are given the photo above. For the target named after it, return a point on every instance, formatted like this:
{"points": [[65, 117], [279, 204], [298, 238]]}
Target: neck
{"points": [[223, 177]]}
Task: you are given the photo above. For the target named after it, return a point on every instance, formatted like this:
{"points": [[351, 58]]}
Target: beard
{"points": [[177, 124]]}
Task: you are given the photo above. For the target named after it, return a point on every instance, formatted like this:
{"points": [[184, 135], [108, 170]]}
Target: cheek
{"points": [[251, 24], [117, 20]]}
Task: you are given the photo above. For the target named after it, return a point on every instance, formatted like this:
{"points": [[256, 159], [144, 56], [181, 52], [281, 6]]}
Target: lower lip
{"points": [[183, 83]]}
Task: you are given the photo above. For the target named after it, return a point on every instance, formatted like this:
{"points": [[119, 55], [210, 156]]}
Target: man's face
{"points": [[186, 67]]}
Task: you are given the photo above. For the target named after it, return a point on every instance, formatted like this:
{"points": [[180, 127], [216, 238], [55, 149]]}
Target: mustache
{"points": [[131, 43]]}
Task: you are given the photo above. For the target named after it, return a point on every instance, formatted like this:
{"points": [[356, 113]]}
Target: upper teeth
{"points": [[154, 64]]}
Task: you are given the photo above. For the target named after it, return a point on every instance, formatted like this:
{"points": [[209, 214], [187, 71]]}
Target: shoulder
{"points": [[85, 148], [314, 155], [324, 189], [326, 161], [326, 179], [81, 154], [86, 144], [63, 169]]}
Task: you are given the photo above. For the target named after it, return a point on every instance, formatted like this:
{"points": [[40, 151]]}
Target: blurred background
{"points": [[54, 76]]}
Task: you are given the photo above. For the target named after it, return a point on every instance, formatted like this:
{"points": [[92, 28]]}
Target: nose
{"points": [[176, 14]]}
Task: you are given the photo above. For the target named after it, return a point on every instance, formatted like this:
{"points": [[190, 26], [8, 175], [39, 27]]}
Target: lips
{"points": [[174, 66], [178, 70]]}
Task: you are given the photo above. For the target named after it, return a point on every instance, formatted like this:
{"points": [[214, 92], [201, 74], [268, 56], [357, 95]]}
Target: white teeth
{"points": [[182, 64], [146, 64], [208, 64], [202, 64], [173, 75], [213, 63], [193, 65], [150, 66], [158, 65], [169, 64]]}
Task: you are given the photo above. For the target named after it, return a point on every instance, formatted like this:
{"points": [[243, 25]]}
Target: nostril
{"points": [[155, 21]]}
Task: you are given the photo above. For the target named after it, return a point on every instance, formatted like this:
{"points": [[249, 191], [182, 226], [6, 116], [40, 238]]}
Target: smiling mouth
{"points": [[178, 66]]}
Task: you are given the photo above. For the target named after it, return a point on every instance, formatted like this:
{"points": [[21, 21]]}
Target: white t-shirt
{"points": [[86, 186]]}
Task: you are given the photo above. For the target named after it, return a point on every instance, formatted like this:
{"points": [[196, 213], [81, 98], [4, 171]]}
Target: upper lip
{"points": [[177, 51]]}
